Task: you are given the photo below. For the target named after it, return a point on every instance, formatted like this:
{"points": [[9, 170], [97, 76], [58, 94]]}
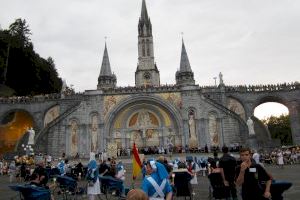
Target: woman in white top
{"points": [[280, 159]]}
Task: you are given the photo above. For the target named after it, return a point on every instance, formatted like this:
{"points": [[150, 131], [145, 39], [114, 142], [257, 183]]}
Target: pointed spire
{"points": [[105, 67], [106, 79], [144, 13], [184, 60]]}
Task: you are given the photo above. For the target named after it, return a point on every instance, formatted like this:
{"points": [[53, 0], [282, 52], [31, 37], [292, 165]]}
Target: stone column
{"points": [[206, 133], [161, 135], [201, 132], [294, 111], [220, 132], [123, 138], [185, 132], [101, 137]]}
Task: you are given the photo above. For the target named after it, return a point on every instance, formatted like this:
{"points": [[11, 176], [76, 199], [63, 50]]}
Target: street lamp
{"points": [[215, 81]]}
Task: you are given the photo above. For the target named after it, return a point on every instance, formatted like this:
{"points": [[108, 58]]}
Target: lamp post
{"points": [[170, 144], [215, 78]]}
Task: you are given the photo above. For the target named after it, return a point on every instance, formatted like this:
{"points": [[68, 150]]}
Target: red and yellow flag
{"points": [[136, 162]]}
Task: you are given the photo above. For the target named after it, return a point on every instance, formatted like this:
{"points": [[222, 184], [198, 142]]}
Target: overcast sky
{"points": [[249, 41]]}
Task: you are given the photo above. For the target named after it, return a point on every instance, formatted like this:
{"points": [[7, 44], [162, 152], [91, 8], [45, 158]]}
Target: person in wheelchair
{"points": [[181, 178], [116, 177], [35, 180], [42, 173]]}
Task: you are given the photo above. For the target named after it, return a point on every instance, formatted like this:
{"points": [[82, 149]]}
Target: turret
{"points": [[185, 75], [106, 78]]}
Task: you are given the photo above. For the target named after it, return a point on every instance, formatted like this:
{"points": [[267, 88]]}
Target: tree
{"points": [[21, 68], [21, 32], [280, 128]]}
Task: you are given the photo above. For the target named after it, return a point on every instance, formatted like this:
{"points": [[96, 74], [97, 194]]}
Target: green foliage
{"points": [[21, 68], [280, 128]]}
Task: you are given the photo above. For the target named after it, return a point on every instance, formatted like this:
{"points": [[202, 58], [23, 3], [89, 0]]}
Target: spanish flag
{"points": [[136, 162]]}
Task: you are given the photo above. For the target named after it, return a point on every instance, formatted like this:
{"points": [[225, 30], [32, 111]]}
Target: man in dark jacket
{"points": [[228, 164], [253, 178]]}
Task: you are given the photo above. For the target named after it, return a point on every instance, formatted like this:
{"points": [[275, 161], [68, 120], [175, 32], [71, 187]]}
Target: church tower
{"points": [[185, 75], [106, 79], [146, 72]]}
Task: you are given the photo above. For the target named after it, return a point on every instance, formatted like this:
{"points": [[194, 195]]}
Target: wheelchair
{"points": [[67, 188], [182, 185], [111, 188], [30, 192]]}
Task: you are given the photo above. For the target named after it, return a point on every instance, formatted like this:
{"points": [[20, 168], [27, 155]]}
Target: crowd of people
{"points": [[160, 176]]}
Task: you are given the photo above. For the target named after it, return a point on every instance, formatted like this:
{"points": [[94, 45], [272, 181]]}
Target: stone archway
{"points": [[260, 128], [149, 118], [13, 127]]}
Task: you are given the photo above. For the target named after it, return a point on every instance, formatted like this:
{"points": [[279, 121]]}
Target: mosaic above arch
{"points": [[111, 101], [51, 114], [172, 97], [235, 106]]}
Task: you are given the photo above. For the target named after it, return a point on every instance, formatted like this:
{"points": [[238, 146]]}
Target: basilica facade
{"points": [[148, 114]]}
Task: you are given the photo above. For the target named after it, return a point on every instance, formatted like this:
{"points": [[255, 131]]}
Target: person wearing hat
{"points": [[94, 188], [156, 184]]}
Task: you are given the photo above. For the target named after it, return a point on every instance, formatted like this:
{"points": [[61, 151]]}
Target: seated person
{"points": [[35, 180], [42, 173], [103, 168]]}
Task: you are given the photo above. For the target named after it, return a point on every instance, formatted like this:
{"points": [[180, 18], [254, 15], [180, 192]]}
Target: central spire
{"points": [[106, 79], [146, 72], [144, 13], [185, 75]]}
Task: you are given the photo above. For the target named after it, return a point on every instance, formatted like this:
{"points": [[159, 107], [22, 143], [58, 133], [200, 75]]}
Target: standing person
{"points": [[228, 164], [92, 174], [256, 157], [12, 171], [156, 184], [253, 178], [280, 161]]}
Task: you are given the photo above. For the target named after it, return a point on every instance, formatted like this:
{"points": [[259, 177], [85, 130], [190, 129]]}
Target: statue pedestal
{"points": [[252, 142], [193, 143]]}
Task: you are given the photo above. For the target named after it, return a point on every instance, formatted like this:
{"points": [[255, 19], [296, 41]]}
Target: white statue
{"points": [[193, 141], [31, 136], [221, 78], [250, 126], [192, 127], [64, 86], [94, 133], [144, 119]]}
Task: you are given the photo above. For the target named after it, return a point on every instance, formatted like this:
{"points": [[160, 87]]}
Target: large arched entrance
{"points": [[275, 118], [147, 121], [13, 126]]}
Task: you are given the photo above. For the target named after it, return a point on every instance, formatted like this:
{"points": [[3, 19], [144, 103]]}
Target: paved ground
{"points": [[289, 173]]}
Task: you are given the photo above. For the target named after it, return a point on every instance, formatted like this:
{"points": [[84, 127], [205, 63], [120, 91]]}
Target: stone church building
{"points": [[151, 114]]}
